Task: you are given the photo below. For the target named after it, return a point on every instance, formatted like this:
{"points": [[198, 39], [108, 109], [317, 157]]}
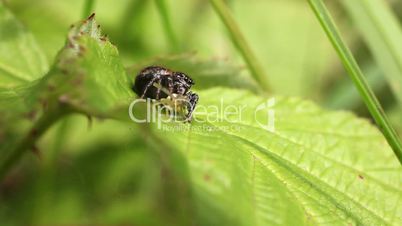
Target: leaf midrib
{"points": [[286, 167], [386, 186], [282, 161]]}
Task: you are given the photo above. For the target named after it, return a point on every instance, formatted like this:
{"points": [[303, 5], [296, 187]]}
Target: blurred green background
{"points": [[109, 172]]}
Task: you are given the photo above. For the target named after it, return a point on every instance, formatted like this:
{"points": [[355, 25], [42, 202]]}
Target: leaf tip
{"points": [[91, 17]]}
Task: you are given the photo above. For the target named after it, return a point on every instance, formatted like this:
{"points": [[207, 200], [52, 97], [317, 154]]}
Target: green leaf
{"points": [[88, 74], [87, 77], [383, 34], [50, 29], [21, 59], [316, 167]]}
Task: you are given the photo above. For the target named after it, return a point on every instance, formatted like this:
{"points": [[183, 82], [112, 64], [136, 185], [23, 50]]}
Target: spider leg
{"points": [[169, 90], [163, 89], [151, 83], [192, 99], [158, 91]]}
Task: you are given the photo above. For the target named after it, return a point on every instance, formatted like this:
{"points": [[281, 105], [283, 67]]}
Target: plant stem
{"points": [[240, 42], [167, 25], [357, 76], [58, 140], [28, 142], [88, 7]]}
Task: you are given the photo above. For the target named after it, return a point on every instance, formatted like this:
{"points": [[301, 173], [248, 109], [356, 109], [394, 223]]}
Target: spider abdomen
{"points": [[153, 74]]}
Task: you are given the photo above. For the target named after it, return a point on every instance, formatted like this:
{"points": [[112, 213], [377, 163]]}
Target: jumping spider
{"points": [[171, 89]]}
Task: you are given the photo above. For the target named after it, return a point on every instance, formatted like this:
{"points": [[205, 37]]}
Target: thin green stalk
{"points": [[167, 24], [28, 142], [240, 42], [357, 76], [88, 8]]}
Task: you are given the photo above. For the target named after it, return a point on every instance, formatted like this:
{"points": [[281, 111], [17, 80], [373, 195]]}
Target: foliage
{"points": [[92, 165]]}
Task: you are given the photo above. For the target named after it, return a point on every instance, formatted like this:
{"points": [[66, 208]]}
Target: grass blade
{"points": [[167, 24], [240, 42], [357, 76]]}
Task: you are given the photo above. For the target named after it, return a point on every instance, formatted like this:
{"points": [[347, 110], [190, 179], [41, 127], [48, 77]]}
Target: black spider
{"points": [[162, 84]]}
